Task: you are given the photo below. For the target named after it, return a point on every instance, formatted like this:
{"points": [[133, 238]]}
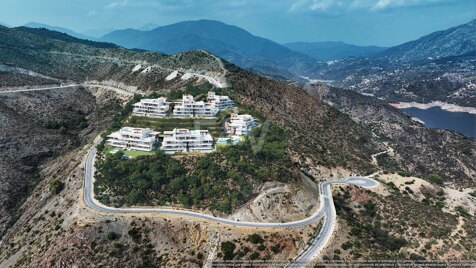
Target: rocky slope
{"points": [[436, 67], [414, 145], [30, 137], [454, 41]]}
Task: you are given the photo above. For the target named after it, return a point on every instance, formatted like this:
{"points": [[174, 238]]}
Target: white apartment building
{"points": [[220, 102], [188, 107], [240, 124], [151, 107], [184, 140], [133, 138]]}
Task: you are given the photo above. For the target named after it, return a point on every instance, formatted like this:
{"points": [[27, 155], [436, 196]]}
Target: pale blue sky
{"points": [[363, 22]]}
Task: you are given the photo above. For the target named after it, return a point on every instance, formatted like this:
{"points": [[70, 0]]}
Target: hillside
{"points": [[49, 225], [454, 41], [226, 41], [437, 67], [67, 31], [333, 50], [58, 55], [411, 143]]}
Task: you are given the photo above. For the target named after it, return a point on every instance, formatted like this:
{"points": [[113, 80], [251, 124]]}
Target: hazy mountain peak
{"points": [[58, 29]]}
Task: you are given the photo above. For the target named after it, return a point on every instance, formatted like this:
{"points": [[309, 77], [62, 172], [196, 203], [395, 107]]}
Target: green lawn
{"points": [[130, 153]]}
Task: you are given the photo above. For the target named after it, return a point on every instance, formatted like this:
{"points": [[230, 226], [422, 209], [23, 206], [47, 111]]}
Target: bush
{"points": [[255, 239], [462, 211], [276, 248], [56, 186], [435, 178], [228, 250], [112, 236]]}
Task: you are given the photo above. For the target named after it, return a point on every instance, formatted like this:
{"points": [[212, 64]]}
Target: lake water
{"points": [[436, 117]]}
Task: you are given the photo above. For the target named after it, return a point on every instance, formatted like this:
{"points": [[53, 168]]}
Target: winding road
{"points": [[326, 210]]}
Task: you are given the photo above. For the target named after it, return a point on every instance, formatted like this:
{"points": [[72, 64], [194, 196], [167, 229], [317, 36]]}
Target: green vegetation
{"points": [[56, 186], [65, 125], [255, 239], [204, 181], [462, 211], [228, 250], [129, 153], [435, 178], [389, 165]]}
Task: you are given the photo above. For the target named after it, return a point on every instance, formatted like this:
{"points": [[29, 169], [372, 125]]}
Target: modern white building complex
{"points": [[133, 138], [188, 107], [151, 107], [220, 102], [240, 124], [184, 140]]}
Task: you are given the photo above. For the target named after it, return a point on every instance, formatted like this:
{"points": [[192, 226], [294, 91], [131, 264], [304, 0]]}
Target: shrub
{"points": [[228, 250], [112, 236], [462, 211], [56, 186], [255, 239], [276, 248], [435, 178]]}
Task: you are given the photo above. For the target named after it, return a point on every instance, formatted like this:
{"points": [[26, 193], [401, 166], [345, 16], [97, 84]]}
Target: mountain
{"points": [[226, 41], [454, 41], [45, 136], [148, 27], [4, 24], [97, 33], [58, 29], [437, 67], [333, 50]]}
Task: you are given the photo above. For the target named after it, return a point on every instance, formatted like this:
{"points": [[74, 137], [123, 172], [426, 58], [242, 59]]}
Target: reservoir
{"points": [[435, 117]]}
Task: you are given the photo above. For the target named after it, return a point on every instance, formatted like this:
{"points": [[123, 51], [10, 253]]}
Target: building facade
{"points": [[184, 140], [151, 107], [141, 139], [188, 107], [220, 102], [240, 124]]}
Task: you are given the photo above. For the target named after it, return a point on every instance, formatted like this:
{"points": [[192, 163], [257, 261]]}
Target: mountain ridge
{"points": [[333, 50]]}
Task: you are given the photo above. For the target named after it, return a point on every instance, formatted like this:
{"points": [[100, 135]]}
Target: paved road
{"points": [[326, 210], [38, 89], [118, 90], [326, 202]]}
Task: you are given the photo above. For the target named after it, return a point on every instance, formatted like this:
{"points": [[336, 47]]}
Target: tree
{"points": [[56, 186], [228, 249], [255, 239], [225, 205]]}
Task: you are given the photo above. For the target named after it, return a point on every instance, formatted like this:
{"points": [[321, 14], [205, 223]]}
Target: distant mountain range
{"points": [[291, 61], [58, 29], [227, 41], [333, 50]]}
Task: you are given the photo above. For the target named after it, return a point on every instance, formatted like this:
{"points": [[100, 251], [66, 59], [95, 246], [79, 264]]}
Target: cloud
{"points": [[91, 13], [114, 5], [347, 6]]}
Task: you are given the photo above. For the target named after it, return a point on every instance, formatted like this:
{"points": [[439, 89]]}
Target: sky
{"points": [[361, 22]]}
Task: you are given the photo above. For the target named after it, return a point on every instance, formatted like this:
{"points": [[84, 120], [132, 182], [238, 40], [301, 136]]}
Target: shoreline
{"points": [[443, 105]]}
